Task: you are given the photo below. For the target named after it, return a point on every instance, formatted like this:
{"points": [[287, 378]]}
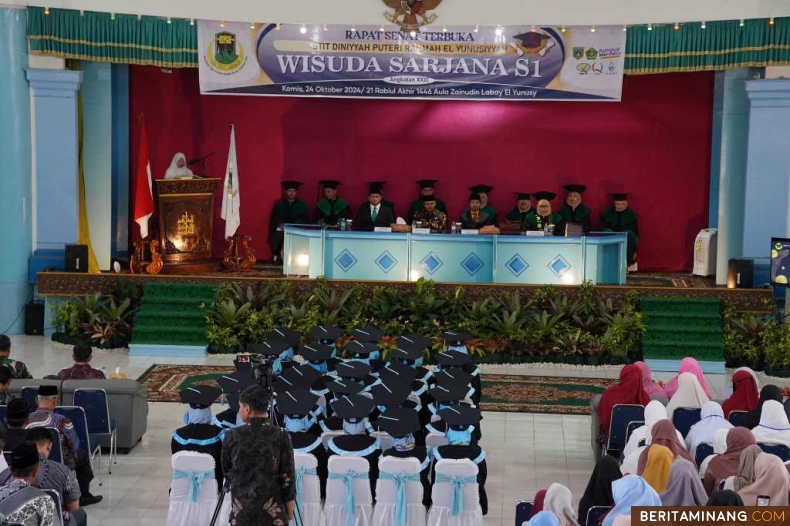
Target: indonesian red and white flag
{"points": [[143, 197]]}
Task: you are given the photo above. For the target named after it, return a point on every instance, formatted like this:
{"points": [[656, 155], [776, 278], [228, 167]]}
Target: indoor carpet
{"points": [[501, 392]]}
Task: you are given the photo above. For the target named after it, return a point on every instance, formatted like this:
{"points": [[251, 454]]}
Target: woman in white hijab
{"points": [[654, 411], [689, 394], [774, 427], [178, 167], [559, 501], [719, 447], [711, 419]]}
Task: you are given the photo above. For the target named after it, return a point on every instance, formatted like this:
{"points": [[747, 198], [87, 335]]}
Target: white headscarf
{"points": [[774, 427], [654, 411], [689, 394], [711, 419], [559, 501], [719, 447], [174, 171]]}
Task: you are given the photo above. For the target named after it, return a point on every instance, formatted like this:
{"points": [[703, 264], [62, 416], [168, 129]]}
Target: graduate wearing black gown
{"points": [[200, 435], [402, 424], [232, 385], [289, 210]]}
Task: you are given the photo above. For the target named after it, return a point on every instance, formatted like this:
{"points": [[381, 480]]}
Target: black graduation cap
{"points": [[315, 352], [398, 372], [399, 421], [284, 333], [326, 333], [235, 383], [291, 184], [522, 196], [390, 393], [328, 183], [548, 196], [296, 402], [271, 347], [452, 358], [456, 338], [352, 407], [375, 188], [474, 197], [427, 183], [367, 334], [453, 379], [460, 415], [428, 198], [414, 339], [622, 196], [303, 376], [579, 188], [344, 386], [363, 348], [481, 189], [199, 396], [352, 369], [406, 352], [454, 392]]}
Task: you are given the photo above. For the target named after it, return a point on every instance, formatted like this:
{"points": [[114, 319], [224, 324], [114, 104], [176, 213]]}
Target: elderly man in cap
{"points": [[20, 502], [573, 211], [289, 210], [426, 190], [74, 456], [15, 422]]}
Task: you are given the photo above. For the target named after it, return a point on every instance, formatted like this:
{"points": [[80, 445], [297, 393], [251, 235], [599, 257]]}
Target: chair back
{"points": [[618, 424], [444, 492], [385, 439], [326, 436], [30, 394], [185, 487], [736, 417], [308, 489], [97, 409], [56, 455], [631, 427], [704, 450], [77, 417], [387, 487], [523, 512], [685, 417], [58, 500], [336, 487], [435, 440], [594, 515], [780, 450]]}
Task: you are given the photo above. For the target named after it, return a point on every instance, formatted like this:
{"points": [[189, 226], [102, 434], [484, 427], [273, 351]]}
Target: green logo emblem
{"points": [[592, 53], [578, 52]]}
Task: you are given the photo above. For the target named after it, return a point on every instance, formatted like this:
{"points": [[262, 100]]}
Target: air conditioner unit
{"points": [[705, 252]]}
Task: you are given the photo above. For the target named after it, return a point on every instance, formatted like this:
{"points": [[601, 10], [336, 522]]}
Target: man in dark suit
{"points": [[474, 217], [374, 213]]}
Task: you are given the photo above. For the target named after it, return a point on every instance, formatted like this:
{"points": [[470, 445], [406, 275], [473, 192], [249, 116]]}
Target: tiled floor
{"points": [[525, 452]]}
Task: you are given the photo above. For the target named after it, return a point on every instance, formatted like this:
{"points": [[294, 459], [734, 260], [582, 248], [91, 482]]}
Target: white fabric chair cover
{"points": [[326, 436], [387, 493], [435, 440], [183, 512], [442, 494], [385, 440], [309, 501], [335, 506]]}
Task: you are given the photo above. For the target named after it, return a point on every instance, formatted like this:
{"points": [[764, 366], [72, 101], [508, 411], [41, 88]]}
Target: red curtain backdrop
{"points": [[655, 144]]}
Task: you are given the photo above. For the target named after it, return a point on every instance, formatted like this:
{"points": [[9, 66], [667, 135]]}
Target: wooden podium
{"points": [[186, 218]]}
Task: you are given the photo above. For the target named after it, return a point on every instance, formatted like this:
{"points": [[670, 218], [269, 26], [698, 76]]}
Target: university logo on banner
{"points": [[411, 15], [225, 53]]}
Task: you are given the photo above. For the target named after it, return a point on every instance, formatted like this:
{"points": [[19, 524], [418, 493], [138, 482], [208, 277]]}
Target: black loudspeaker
{"points": [[34, 318], [740, 273], [76, 258]]}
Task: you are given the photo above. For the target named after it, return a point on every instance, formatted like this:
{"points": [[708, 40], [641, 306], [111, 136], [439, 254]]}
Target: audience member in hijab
{"points": [[711, 419], [745, 392], [658, 464], [599, 487], [559, 501], [771, 481], [178, 167], [745, 474], [690, 366], [199, 434], [688, 394], [544, 518], [401, 424], [774, 427], [297, 406], [664, 434], [719, 447], [725, 497], [684, 487], [627, 492], [628, 391], [768, 392], [653, 389], [641, 436], [726, 464], [537, 506]]}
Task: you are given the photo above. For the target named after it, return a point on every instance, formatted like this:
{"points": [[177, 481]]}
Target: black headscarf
{"points": [[599, 488], [725, 497], [768, 392]]}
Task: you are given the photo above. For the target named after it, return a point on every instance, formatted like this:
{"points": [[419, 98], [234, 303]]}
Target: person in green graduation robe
{"points": [[620, 218], [573, 211], [426, 189], [289, 210], [543, 219], [331, 208], [483, 190], [474, 218], [519, 213]]}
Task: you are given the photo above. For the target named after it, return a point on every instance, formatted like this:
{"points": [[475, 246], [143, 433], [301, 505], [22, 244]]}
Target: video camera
{"points": [[261, 368]]}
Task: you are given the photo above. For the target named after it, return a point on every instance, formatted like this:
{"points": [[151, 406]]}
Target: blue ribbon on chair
{"points": [[458, 490], [400, 480], [195, 480], [300, 473], [348, 480]]}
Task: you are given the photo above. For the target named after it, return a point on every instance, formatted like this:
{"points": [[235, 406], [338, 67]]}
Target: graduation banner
{"points": [[480, 63]]}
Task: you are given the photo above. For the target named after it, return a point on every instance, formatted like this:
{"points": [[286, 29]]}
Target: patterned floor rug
{"points": [[504, 393]]}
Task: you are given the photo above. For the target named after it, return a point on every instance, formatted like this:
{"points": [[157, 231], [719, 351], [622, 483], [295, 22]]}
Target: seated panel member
{"points": [[332, 207], [620, 218], [430, 217], [542, 218], [200, 434], [401, 424], [384, 200], [474, 218], [522, 209], [483, 190], [573, 211], [374, 213], [289, 210], [426, 189]]}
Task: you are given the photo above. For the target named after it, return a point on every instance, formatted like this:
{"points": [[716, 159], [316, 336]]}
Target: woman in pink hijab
{"points": [[687, 365], [653, 389]]}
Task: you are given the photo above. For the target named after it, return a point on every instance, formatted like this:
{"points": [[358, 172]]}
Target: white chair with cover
{"points": [[348, 498], [434, 440], [308, 492], [456, 501], [326, 436], [193, 491], [399, 493]]}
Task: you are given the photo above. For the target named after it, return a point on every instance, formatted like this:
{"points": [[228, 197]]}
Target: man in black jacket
{"points": [[374, 213]]}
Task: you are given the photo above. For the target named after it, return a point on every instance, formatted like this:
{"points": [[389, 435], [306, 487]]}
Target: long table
{"points": [[457, 258]]}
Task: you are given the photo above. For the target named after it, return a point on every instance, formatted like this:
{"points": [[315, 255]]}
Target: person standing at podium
{"points": [[331, 208], [178, 167], [374, 213], [289, 210]]}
